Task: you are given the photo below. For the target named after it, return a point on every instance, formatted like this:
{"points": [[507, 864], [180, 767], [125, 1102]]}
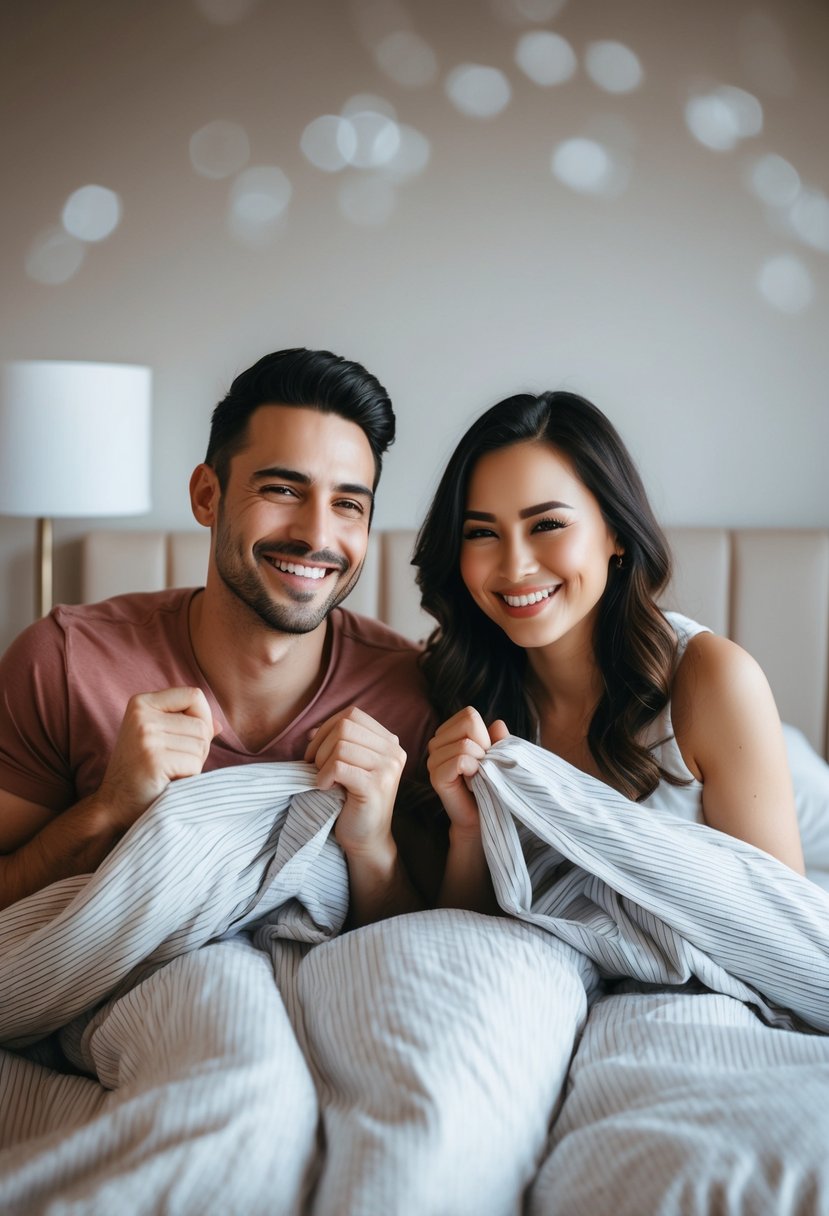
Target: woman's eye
{"points": [[549, 525], [477, 533]]}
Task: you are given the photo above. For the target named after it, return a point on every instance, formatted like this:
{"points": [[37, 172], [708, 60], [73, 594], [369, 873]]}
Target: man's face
{"points": [[292, 524]]}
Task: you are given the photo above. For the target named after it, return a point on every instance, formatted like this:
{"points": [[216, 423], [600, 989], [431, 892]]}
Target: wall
{"points": [[683, 286]]}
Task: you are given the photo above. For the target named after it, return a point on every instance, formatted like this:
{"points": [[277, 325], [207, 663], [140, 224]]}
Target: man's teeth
{"points": [[301, 571], [521, 601]]}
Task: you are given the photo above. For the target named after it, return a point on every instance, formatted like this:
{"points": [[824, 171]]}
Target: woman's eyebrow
{"points": [[541, 507]]}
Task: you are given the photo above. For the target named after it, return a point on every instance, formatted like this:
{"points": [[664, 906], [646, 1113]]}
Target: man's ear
{"points": [[205, 493]]}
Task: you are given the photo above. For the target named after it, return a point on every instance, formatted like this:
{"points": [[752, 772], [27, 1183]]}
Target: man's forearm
{"points": [[75, 842], [379, 886]]}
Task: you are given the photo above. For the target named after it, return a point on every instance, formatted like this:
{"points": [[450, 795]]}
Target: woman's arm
{"points": [[728, 731], [455, 753]]}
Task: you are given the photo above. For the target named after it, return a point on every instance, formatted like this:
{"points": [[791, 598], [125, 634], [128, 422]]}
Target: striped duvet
{"points": [[645, 1031]]}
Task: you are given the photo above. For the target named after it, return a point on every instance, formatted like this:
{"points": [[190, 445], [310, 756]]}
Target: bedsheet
{"points": [[234, 1052]]}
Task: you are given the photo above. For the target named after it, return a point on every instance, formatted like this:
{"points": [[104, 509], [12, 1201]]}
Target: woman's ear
{"points": [[204, 495]]}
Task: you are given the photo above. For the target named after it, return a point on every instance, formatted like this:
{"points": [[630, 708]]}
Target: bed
{"points": [[634, 1036]]}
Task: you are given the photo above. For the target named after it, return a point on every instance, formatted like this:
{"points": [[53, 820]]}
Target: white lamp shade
{"points": [[74, 439]]}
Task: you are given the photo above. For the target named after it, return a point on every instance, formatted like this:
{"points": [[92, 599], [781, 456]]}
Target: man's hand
{"points": [[163, 736], [355, 752]]}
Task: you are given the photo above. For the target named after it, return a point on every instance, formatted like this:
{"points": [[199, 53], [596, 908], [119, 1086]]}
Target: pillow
{"points": [[810, 776]]}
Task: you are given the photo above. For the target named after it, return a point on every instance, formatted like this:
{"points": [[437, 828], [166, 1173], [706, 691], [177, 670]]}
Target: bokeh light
{"points": [[588, 166], [412, 156], [721, 118], [809, 218], [91, 213], [329, 142], [545, 57], [54, 257], [376, 139], [478, 91], [773, 180], [785, 283], [259, 197], [407, 59], [613, 66], [219, 149]]}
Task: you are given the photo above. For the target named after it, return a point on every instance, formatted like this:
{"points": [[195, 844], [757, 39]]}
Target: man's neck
{"points": [[262, 679]]}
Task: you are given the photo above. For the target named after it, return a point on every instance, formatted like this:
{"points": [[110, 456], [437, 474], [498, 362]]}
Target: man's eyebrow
{"points": [[346, 487], [538, 509]]}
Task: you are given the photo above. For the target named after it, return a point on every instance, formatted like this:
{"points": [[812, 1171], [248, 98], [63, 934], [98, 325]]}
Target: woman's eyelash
{"points": [[549, 524]]}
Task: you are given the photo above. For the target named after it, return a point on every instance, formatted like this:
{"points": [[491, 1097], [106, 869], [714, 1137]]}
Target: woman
{"points": [[542, 561]]}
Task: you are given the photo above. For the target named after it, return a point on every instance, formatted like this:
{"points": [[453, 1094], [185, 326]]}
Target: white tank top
{"points": [[682, 800]]}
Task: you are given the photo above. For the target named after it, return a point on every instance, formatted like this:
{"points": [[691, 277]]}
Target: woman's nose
{"points": [[518, 558]]}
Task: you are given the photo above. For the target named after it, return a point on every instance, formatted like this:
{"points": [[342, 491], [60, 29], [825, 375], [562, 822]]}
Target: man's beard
{"points": [[247, 585]]}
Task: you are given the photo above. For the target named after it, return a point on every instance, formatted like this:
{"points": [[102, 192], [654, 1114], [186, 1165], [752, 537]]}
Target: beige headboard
{"points": [[766, 589]]}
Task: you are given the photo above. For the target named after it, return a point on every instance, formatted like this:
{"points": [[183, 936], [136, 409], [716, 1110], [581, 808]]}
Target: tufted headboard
{"points": [[768, 589]]}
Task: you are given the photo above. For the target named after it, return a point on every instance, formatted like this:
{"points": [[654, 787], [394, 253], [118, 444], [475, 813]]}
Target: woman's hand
{"points": [[455, 753]]}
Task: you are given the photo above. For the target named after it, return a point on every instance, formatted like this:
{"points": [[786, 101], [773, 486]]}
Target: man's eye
{"points": [[351, 505], [285, 491]]}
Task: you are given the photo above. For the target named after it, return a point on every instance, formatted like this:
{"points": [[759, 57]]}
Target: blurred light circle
{"points": [[412, 155], [91, 213], [329, 142], [545, 57], [225, 12], [613, 67], [368, 103], [376, 139], [407, 59], [258, 198], [785, 283], [219, 149], [809, 218], [527, 12], [367, 200], [584, 165], [747, 111], [712, 122], [721, 118], [773, 180], [479, 91], [54, 257]]}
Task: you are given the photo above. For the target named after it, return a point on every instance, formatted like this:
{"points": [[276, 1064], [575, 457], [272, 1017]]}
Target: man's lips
{"points": [[297, 569]]}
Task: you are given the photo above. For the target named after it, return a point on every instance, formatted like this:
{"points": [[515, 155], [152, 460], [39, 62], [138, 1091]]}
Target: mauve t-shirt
{"points": [[66, 680]]}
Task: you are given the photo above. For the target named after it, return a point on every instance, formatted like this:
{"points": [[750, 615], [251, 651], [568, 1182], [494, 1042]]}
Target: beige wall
{"points": [[488, 273]]}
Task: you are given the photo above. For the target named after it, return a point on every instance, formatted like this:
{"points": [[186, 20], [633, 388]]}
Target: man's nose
{"points": [[311, 525]]}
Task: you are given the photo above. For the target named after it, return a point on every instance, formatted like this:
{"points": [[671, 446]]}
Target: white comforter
{"points": [[240, 1057]]}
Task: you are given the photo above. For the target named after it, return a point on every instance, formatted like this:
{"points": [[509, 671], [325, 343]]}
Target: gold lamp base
{"points": [[43, 568]]}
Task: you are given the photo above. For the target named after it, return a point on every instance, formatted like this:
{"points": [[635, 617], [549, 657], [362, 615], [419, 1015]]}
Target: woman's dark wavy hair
{"points": [[470, 661]]}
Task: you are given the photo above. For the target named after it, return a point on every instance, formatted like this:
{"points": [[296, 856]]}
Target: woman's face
{"points": [[535, 548]]}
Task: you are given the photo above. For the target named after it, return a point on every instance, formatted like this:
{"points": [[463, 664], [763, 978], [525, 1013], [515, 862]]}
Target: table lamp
{"points": [[74, 442]]}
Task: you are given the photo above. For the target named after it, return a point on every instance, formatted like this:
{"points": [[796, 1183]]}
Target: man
{"points": [[101, 706]]}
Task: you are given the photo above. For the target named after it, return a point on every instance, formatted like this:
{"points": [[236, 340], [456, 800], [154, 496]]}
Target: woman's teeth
{"points": [[521, 601]]}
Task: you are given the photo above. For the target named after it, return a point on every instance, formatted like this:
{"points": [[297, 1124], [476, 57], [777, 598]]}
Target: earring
{"points": [[618, 560]]}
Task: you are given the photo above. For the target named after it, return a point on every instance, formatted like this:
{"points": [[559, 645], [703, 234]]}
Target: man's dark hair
{"points": [[315, 379]]}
